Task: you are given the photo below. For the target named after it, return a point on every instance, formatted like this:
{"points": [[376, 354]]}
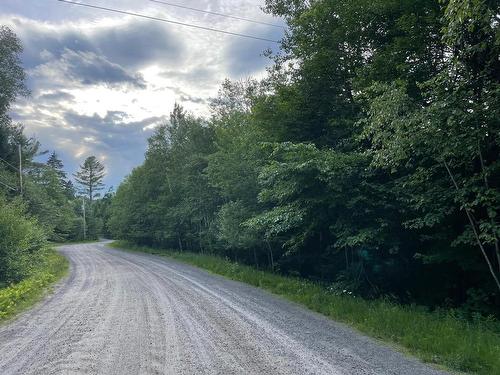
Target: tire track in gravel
{"points": [[127, 313]]}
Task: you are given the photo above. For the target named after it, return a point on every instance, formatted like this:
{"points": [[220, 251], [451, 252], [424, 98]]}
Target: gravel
{"points": [[127, 313]]}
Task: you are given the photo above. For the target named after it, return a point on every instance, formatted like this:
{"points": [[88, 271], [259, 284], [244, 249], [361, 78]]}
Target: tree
{"points": [[48, 199], [12, 85], [335, 49], [90, 177], [448, 140], [57, 165], [233, 169], [12, 75], [22, 241], [46, 209], [368, 157]]}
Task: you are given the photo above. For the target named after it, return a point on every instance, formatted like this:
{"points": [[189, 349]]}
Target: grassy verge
{"points": [[435, 337], [18, 297]]}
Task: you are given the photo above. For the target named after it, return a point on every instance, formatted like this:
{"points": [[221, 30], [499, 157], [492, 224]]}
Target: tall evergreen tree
{"points": [[89, 178], [57, 165]]}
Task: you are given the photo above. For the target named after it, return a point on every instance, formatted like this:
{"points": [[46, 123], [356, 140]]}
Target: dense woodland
{"points": [[367, 160], [38, 201]]}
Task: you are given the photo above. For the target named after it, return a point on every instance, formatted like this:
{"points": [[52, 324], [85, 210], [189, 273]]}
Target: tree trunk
{"points": [[180, 243], [475, 230], [200, 238], [255, 258], [487, 186], [271, 258]]}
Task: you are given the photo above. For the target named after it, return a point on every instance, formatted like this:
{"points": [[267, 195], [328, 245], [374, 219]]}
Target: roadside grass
{"points": [[439, 337], [18, 297]]}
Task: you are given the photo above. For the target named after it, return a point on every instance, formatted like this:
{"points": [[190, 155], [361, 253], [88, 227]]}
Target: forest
{"points": [[367, 160], [358, 178]]}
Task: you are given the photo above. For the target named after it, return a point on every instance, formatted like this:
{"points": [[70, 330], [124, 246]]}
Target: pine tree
{"points": [[57, 165], [90, 177]]}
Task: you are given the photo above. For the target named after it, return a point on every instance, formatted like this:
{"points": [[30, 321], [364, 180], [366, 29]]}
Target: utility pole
{"points": [[84, 221], [20, 169]]}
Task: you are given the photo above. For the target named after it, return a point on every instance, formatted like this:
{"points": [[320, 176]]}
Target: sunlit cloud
{"points": [[102, 83]]}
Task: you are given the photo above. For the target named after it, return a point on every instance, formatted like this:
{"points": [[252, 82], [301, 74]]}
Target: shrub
{"points": [[22, 242]]}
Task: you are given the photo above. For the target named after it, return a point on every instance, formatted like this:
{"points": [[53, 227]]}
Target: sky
{"points": [[101, 82]]}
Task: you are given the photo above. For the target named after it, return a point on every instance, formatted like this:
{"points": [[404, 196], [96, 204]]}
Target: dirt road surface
{"points": [[127, 313]]}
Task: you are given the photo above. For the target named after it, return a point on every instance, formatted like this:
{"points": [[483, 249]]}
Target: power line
{"points": [[6, 162], [8, 186], [167, 21], [217, 14]]}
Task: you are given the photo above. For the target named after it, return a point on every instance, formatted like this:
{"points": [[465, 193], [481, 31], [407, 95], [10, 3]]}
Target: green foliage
{"points": [[89, 181], [22, 242], [440, 337], [102, 213], [446, 142], [89, 178], [12, 75], [232, 229], [17, 297], [47, 207], [168, 199], [233, 169], [12, 84], [48, 199], [367, 158]]}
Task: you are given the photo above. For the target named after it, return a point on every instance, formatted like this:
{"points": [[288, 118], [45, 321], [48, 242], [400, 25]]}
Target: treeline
{"points": [[38, 202], [368, 158]]}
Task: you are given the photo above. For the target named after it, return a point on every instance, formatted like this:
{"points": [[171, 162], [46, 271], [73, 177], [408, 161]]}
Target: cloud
{"points": [[192, 99], [130, 43], [113, 124], [245, 58], [102, 82], [197, 74], [85, 68], [120, 144], [140, 43], [55, 96], [91, 69], [110, 53], [116, 140]]}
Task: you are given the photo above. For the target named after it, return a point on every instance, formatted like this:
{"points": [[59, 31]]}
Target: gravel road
{"points": [[124, 313]]}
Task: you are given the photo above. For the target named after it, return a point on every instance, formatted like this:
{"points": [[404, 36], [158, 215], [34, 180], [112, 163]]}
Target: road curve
{"points": [[125, 313]]}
